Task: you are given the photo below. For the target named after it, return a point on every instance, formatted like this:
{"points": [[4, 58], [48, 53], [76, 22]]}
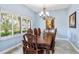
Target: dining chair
{"points": [[53, 41], [24, 47], [39, 32], [35, 32], [52, 36], [30, 44], [30, 31]]}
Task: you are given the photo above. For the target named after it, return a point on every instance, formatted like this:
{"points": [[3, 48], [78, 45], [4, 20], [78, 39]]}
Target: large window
{"points": [[12, 24], [16, 24], [25, 24], [6, 24]]}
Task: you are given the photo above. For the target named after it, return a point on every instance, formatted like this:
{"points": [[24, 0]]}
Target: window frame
{"points": [[12, 15], [29, 25]]}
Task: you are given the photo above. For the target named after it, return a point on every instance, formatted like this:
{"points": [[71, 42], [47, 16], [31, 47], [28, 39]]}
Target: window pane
{"points": [[6, 24], [16, 25], [0, 27], [25, 24]]}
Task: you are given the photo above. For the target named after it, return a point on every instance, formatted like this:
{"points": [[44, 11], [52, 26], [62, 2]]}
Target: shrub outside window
{"points": [[6, 24]]}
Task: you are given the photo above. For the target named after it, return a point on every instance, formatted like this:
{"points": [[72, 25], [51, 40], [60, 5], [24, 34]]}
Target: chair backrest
{"points": [[30, 31], [53, 38], [39, 31], [30, 46], [35, 32], [55, 33]]}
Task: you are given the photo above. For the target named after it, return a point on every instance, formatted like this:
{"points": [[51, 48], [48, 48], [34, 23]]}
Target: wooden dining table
{"points": [[45, 42]]}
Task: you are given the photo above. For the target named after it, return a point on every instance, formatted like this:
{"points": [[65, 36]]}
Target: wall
{"points": [[40, 22], [61, 22], [74, 32]]}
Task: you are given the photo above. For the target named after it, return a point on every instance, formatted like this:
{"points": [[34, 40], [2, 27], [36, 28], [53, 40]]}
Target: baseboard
{"points": [[69, 42], [74, 46], [2, 52], [62, 38]]}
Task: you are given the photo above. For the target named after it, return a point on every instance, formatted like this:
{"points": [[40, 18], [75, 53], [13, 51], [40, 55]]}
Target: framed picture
{"points": [[49, 23], [72, 20]]}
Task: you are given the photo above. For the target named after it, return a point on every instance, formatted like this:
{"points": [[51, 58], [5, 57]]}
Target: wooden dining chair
{"points": [[35, 32], [53, 41], [24, 47], [52, 36], [30, 44], [39, 32], [30, 31]]}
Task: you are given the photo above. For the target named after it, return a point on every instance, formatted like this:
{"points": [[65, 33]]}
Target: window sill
{"points": [[10, 36]]}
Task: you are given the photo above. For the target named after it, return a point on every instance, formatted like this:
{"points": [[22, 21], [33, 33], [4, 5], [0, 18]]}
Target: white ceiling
{"points": [[49, 7]]}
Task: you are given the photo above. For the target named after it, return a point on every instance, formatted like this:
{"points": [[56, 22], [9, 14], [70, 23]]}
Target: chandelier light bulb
{"points": [[44, 13]]}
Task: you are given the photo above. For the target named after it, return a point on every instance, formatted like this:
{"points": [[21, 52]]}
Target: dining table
{"points": [[45, 41]]}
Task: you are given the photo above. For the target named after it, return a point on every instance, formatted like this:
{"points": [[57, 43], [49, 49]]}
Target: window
{"points": [[25, 24], [16, 25], [12, 24], [6, 24]]}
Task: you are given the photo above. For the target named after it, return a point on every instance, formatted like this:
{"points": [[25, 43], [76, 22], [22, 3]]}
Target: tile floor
{"points": [[61, 47]]}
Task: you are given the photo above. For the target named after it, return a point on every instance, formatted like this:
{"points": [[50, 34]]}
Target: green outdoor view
{"points": [[16, 24], [9, 24], [25, 24], [6, 25]]}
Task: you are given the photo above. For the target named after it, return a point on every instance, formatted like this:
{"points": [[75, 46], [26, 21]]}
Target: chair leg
{"points": [[53, 51], [47, 51], [23, 50]]}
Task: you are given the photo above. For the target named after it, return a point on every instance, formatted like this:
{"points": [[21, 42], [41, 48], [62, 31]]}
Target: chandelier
{"points": [[44, 14]]}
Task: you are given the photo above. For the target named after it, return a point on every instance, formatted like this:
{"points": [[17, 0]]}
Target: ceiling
{"points": [[49, 7]]}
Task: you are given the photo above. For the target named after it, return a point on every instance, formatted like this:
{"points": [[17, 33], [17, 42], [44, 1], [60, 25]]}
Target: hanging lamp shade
{"points": [[44, 13]]}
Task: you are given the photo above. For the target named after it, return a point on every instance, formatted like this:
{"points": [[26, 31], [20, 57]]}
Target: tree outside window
{"points": [[6, 24]]}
